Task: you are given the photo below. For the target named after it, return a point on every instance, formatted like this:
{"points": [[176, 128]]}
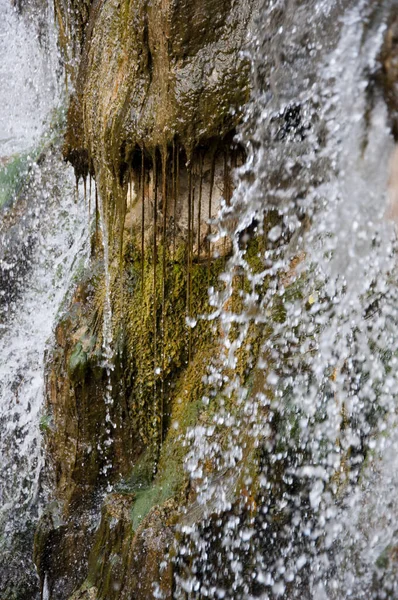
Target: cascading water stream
{"points": [[43, 233], [107, 351], [61, 237], [293, 469], [322, 395], [28, 78]]}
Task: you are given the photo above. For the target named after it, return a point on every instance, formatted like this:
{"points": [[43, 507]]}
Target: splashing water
{"points": [[28, 85], [60, 231], [298, 439], [294, 471], [43, 235], [59, 241], [107, 350]]}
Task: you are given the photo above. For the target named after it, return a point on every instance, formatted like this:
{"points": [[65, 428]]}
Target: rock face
{"points": [[159, 88], [153, 72], [158, 96]]}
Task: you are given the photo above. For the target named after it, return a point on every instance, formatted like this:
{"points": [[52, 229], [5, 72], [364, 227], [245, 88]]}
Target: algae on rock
{"points": [[158, 94]]}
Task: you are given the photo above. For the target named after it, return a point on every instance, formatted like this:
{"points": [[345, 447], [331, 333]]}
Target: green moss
{"points": [[182, 383], [45, 423], [159, 346], [77, 363], [167, 485], [141, 476], [145, 500], [383, 560], [12, 176]]}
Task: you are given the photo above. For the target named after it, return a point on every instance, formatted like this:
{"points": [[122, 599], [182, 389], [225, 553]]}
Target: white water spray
{"points": [[322, 395]]}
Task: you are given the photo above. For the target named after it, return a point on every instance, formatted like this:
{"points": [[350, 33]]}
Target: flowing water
{"points": [[313, 406], [42, 233], [318, 412], [28, 84]]}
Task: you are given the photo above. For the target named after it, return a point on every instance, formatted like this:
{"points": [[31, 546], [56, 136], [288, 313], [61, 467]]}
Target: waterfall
{"points": [[322, 396], [28, 78], [60, 235], [43, 234], [291, 467], [59, 242]]}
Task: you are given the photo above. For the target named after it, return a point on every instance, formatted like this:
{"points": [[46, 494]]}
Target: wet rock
{"points": [[62, 545], [76, 384], [125, 563], [159, 89], [385, 580], [168, 69], [149, 473], [87, 592], [153, 77], [389, 71], [18, 579]]}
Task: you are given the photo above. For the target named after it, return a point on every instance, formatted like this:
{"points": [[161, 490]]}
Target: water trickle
{"points": [[46, 592], [210, 211], [164, 324], [142, 179], [107, 337], [201, 158]]}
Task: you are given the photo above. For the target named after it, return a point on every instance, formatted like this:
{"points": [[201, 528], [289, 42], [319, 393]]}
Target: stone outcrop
{"points": [[158, 90]]}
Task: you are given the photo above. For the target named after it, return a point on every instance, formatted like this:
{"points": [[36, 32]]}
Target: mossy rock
{"points": [[124, 564]]}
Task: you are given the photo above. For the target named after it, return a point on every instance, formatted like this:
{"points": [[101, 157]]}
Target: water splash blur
{"points": [[56, 228], [312, 198], [60, 231], [43, 234], [28, 78]]}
